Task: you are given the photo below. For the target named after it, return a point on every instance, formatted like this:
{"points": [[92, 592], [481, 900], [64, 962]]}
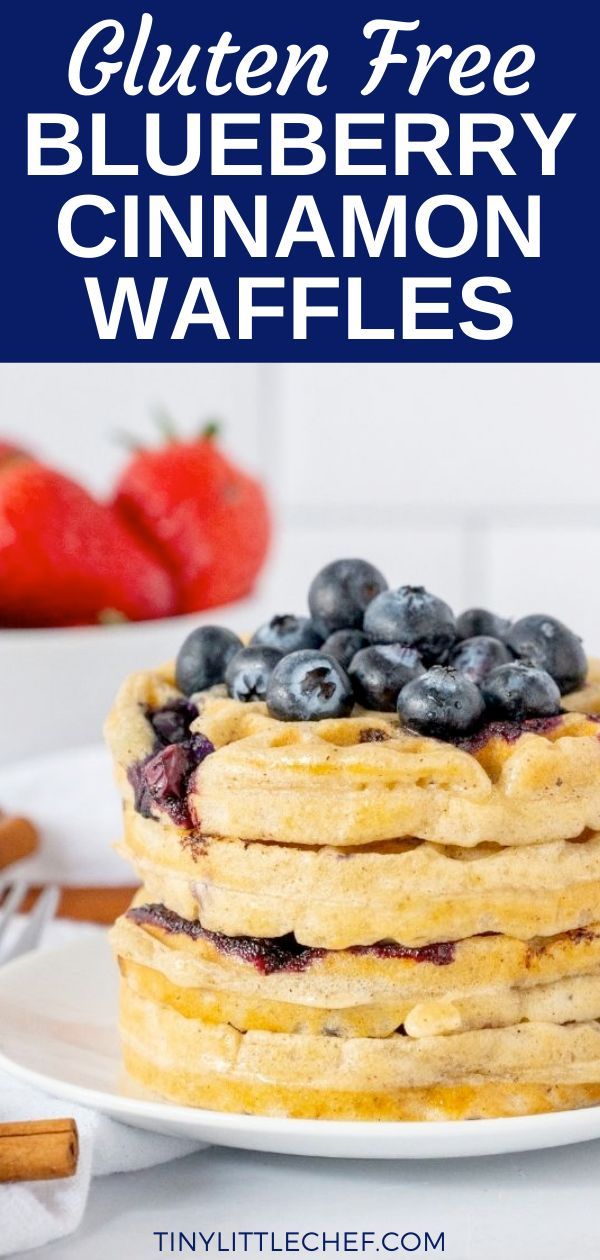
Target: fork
{"points": [[31, 932]]}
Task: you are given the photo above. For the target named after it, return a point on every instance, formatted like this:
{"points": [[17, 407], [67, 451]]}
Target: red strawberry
{"points": [[207, 519], [66, 559]]}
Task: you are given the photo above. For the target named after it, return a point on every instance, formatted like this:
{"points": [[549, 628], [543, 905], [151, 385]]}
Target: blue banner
{"points": [[409, 181]]}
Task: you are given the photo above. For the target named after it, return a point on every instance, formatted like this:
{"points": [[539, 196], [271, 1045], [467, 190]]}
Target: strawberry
{"points": [[66, 559], [207, 519]]}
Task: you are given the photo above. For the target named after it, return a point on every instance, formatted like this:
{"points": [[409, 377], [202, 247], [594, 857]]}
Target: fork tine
{"points": [[44, 910], [15, 895]]}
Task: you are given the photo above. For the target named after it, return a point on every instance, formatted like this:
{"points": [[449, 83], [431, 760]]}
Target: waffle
{"points": [[275, 987], [343, 919], [510, 1071], [364, 779], [407, 891]]}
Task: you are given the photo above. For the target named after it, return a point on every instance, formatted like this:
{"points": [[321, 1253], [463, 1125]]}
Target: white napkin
{"points": [[72, 798], [34, 1213]]}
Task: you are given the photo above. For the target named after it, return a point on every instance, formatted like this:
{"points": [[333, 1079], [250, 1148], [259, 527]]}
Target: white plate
{"points": [[59, 1032]]}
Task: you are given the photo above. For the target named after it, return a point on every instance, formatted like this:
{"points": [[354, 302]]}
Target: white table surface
{"points": [[540, 1206]]}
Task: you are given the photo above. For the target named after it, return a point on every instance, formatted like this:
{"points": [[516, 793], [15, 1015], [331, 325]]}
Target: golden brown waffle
{"points": [[482, 862], [329, 783], [490, 1072], [408, 891], [578, 997], [485, 982]]}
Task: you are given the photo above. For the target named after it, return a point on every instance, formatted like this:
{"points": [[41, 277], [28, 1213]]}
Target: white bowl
{"points": [[57, 685]]}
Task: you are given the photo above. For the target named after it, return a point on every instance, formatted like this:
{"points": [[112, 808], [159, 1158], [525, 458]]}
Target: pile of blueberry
{"points": [[390, 650]]}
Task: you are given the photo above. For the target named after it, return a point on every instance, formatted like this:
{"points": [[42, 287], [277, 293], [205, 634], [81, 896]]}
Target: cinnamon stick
{"points": [[18, 838], [38, 1150]]}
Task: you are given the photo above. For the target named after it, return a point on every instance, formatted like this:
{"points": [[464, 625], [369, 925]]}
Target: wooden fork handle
{"points": [[18, 839], [95, 905], [38, 1150]]}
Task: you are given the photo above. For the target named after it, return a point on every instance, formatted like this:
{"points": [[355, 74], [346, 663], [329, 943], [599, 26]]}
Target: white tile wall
{"points": [[439, 437], [481, 481], [549, 567], [431, 556], [75, 413]]}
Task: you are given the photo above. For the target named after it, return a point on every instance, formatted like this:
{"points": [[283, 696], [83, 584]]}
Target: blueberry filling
{"points": [[440, 954], [200, 747], [142, 799], [171, 724], [162, 778], [267, 956], [284, 953], [510, 732], [167, 771]]}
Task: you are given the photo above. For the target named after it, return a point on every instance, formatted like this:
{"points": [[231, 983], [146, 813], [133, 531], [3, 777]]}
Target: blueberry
{"points": [[340, 593], [518, 691], [287, 633], [478, 656], [344, 644], [378, 673], [415, 618], [308, 686], [441, 703], [204, 657], [172, 723], [476, 621], [548, 644], [248, 672]]}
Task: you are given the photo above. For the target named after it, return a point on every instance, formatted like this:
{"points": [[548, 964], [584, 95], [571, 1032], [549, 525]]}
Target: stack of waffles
{"points": [[344, 919]]}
